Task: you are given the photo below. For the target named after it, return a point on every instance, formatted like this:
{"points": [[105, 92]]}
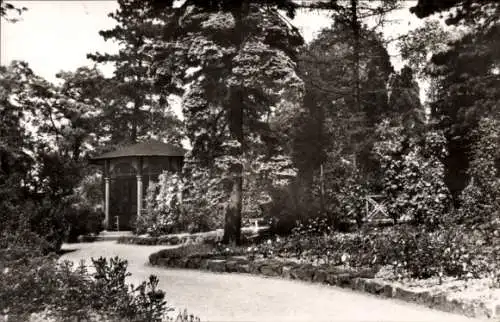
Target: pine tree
{"points": [[234, 65], [137, 111], [351, 16], [337, 133], [466, 89]]}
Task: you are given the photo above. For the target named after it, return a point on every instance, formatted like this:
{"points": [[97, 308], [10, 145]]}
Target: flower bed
{"points": [[473, 297]]}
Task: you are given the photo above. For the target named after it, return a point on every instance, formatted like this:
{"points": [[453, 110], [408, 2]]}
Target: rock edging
{"points": [[357, 279], [211, 237]]}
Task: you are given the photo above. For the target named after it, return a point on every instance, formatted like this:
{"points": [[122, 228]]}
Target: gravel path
{"points": [[239, 297]]}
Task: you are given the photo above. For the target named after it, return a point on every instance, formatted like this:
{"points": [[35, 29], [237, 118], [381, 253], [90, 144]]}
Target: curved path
{"points": [[241, 297]]}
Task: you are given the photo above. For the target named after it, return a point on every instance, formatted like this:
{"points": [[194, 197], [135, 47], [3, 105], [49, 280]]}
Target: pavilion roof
{"points": [[149, 148]]}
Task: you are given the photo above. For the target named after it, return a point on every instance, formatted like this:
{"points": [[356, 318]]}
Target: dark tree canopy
{"points": [[465, 79], [135, 110], [467, 11], [229, 5], [7, 8]]}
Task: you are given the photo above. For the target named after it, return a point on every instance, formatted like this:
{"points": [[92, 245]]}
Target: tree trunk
{"points": [[355, 26], [322, 190], [355, 29], [133, 133], [138, 102], [232, 221]]}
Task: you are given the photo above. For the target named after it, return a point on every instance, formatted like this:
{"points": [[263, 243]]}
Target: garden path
{"points": [[240, 297]]}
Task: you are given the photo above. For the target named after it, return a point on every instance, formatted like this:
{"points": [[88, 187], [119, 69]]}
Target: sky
{"points": [[56, 35]]}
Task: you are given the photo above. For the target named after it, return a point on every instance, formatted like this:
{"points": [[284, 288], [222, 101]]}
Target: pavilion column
{"points": [[106, 201], [107, 181], [139, 187]]}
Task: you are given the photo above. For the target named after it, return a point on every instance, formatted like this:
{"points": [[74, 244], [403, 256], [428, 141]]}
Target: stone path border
{"points": [[360, 280], [210, 237]]}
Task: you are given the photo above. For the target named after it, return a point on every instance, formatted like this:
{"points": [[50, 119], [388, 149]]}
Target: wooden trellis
{"points": [[375, 209]]}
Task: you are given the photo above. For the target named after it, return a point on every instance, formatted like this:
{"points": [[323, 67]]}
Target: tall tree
{"points": [[41, 154], [466, 81], [418, 45], [15, 157], [234, 65], [84, 100], [138, 110], [404, 100], [340, 129], [339, 63], [352, 15]]}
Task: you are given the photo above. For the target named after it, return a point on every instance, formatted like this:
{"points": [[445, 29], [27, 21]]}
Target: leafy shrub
{"points": [[454, 251], [184, 317], [42, 212], [64, 292], [142, 303], [281, 213], [413, 175], [83, 221], [204, 196], [270, 190], [480, 200], [33, 282], [163, 207], [43, 217], [412, 251], [344, 187], [176, 204], [313, 241], [352, 199], [22, 239], [185, 250], [84, 213]]}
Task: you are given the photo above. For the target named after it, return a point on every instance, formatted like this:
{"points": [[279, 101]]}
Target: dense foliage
{"points": [[242, 118], [299, 135], [413, 177], [135, 109], [332, 150], [480, 199], [403, 251], [38, 167], [168, 212], [465, 86], [32, 283]]}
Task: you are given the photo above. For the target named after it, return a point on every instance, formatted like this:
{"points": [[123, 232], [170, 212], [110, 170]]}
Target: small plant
{"points": [[184, 317], [149, 302]]}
